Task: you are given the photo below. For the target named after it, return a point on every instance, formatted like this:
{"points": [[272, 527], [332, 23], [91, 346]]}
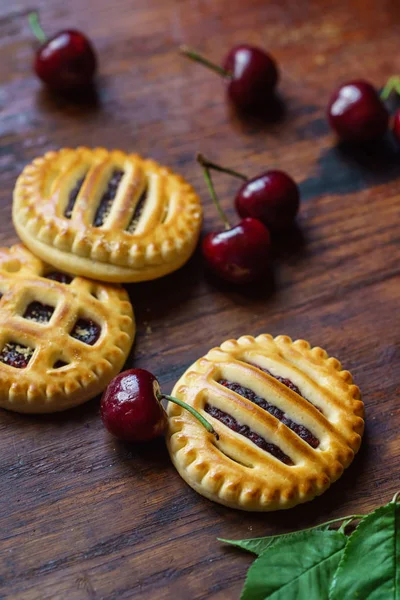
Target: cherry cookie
{"points": [[289, 422], [62, 339], [106, 215]]}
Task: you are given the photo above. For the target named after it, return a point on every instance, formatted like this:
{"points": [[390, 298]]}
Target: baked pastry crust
{"points": [[63, 371], [148, 229], [233, 470]]}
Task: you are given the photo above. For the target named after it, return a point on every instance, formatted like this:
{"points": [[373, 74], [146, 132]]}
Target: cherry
{"points": [[254, 76], [131, 407], [251, 75], [357, 113], [272, 197], [240, 254], [396, 125], [66, 61]]}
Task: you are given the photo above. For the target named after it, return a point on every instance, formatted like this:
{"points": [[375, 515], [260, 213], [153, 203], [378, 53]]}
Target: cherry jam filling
{"points": [[248, 433], [286, 382], [60, 277], [72, 197], [16, 355], [107, 198], [86, 331], [36, 311], [298, 429], [138, 212], [59, 363]]}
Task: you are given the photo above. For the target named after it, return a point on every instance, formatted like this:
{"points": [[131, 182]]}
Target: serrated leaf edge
{"points": [[322, 527], [350, 539], [272, 538], [305, 533]]}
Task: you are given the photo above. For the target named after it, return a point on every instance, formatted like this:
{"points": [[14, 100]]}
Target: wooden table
{"points": [[84, 517]]}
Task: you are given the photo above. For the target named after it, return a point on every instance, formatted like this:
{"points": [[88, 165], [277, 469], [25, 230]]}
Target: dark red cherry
{"points": [[130, 409], [66, 61], [253, 76], [396, 125], [272, 197], [239, 254], [356, 112]]}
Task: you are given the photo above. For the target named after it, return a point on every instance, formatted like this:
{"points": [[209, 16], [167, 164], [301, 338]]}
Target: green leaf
{"points": [[260, 544], [296, 567], [370, 566]]}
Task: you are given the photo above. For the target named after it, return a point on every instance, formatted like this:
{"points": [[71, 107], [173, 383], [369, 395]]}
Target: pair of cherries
{"points": [[357, 113], [269, 201]]}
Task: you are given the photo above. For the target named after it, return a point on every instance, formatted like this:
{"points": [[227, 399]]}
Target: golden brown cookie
{"points": [[106, 215], [62, 338], [289, 421]]}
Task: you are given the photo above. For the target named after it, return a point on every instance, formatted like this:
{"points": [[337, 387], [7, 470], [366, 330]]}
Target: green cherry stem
{"points": [[211, 165], [207, 177], [196, 57], [36, 27], [344, 525], [347, 520], [192, 411], [392, 85]]}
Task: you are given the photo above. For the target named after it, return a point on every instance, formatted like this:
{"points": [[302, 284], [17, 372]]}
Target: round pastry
{"points": [[62, 339], [106, 215], [289, 422]]}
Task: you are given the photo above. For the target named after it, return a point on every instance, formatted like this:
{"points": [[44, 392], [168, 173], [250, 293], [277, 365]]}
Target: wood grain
{"points": [[84, 517]]}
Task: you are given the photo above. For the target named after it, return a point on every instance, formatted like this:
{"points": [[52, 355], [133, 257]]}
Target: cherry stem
{"points": [[207, 177], [196, 57], [192, 411], [345, 524], [392, 85], [36, 27], [211, 165]]}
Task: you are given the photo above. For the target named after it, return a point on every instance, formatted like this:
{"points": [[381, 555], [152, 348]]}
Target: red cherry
{"points": [[396, 125], [272, 197], [130, 409], [239, 254], [357, 113], [66, 61], [253, 76]]}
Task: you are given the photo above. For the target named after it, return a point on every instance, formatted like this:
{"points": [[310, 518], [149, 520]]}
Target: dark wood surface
{"points": [[84, 517]]}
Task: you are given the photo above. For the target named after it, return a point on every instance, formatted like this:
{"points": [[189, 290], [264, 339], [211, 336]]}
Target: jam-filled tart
{"points": [[106, 215], [289, 421], [62, 338]]}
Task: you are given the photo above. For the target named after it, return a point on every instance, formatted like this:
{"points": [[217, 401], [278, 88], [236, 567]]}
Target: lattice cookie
{"points": [[289, 422], [106, 215], [62, 339]]}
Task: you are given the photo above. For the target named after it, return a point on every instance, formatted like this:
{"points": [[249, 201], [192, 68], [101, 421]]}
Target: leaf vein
{"points": [[306, 571]]}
